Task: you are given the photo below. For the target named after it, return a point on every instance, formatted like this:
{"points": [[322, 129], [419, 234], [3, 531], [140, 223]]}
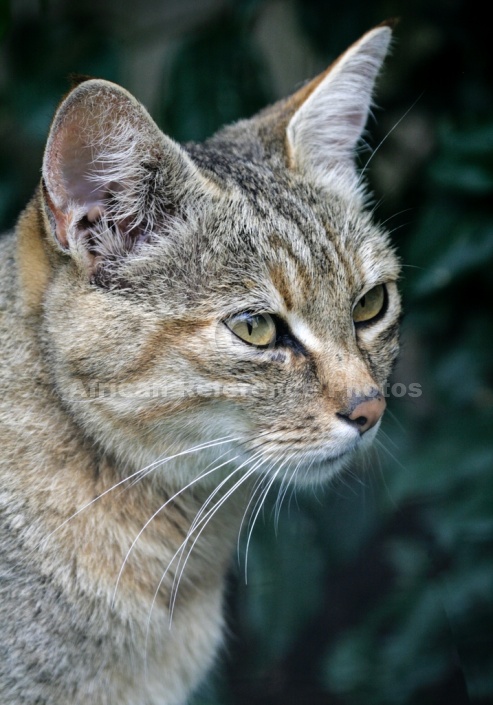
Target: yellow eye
{"points": [[370, 305], [255, 329]]}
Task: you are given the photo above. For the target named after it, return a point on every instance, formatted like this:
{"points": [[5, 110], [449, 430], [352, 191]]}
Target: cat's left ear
{"points": [[331, 112]]}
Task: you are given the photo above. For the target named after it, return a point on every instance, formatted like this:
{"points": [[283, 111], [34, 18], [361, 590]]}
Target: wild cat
{"points": [[182, 327]]}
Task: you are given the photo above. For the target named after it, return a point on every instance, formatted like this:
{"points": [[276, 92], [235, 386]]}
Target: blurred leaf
{"points": [[4, 16], [469, 248], [217, 77], [407, 660], [465, 164], [284, 568], [37, 78]]}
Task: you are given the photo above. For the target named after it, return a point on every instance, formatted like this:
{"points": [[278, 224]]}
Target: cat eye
{"points": [[370, 305], [255, 329]]}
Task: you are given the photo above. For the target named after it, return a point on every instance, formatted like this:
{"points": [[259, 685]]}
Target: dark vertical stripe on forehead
{"points": [[306, 264], [346, 254], [283, 285]]}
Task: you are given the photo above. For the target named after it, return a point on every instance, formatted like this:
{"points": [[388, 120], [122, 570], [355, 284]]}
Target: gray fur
{"points": [[117, 286]]}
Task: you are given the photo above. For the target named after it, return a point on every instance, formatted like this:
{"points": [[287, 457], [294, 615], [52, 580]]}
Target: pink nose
{"points": [[367, 413]]}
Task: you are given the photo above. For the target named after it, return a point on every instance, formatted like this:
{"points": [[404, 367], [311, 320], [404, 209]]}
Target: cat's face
{"points": [[235, 290]]}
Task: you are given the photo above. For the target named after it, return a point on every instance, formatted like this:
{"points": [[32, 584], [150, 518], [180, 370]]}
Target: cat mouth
{"points": [[317, 466], [325, 455], [330, 460]]}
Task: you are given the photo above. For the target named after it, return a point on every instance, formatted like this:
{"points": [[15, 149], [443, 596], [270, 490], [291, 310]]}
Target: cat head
{"points": [[235, 289]]}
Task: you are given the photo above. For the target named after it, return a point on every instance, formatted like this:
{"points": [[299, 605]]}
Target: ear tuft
{"points": [[324, 131]]}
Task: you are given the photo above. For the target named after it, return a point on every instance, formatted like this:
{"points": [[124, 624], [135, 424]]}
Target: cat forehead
{"points": [[296, 227], [279, 250]]}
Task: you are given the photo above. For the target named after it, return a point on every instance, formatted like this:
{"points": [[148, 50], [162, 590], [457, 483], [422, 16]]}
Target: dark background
{"points": [[378, 591]]}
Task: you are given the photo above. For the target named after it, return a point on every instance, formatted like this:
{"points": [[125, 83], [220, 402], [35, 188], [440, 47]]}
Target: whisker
{"points": [[156, 592], [180, 549], [205, 521], [171, 499], [260, 480], [394, 418], [262, 497], [379, 444], [153, 465], [195, 523], [395, 215], [198, 518], [283, 491], [207, 445], [382, 476], [387, 136]]}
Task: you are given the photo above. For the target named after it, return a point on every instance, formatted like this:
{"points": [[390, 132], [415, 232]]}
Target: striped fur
{"points": [[131, 412]]}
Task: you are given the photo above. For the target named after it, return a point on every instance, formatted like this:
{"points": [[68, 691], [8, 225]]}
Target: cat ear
{"points": [[109, 173], [332, 110]]}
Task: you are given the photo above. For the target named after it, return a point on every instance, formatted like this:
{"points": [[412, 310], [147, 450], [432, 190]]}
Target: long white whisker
{"points": [[198, 518], [171, 499], [285, 484], [286, 460], [379, 443], [205, 521], [207, 445], [257, 512], [258, 484], [153, 465], [382, 474], [179, 551], [192, 527], [388, 135], [217, 489]]}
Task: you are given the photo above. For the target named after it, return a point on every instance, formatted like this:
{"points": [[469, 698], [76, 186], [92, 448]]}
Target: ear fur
{"points": [[332, 111], [109, 173]]}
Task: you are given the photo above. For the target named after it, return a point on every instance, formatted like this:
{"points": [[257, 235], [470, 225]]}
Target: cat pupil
{"points": [[362, 302]]}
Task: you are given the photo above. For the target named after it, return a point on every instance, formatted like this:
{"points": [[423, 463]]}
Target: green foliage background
{"points": [[378, 591]]}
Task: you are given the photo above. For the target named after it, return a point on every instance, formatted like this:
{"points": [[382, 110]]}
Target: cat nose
{"points": [[365, 413]]}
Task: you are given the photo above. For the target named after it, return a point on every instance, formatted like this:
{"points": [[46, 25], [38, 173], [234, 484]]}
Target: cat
{"points": [[182, 327]]}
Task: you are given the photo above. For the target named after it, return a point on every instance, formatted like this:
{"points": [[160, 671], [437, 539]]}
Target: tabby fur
{"points": [[133, 422]]}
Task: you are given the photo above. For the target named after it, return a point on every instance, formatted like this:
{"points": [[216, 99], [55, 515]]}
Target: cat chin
{"points": [[320, 472], [312, 468]]}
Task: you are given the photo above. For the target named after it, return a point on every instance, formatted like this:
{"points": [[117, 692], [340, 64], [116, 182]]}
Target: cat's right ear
{"points": [[328, 115], [109, 174]]}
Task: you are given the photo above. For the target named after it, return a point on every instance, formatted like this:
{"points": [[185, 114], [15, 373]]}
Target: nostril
{"points": [[365, 412], [360, 421]]}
